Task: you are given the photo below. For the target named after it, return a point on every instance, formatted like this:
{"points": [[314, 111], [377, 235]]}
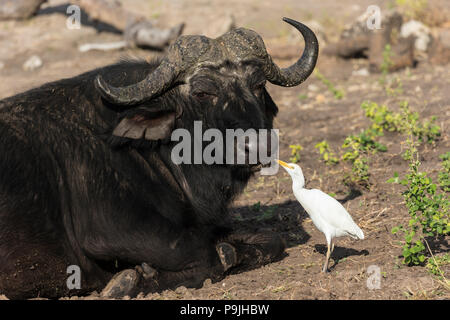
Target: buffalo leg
{"points": [[255, 249]]}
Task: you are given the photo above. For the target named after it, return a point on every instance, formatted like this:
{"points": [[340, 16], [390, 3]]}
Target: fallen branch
{"points": [[103, 46]]}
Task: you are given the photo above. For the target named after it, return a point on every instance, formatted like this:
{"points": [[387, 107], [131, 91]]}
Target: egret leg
{"points": [[325, 265]]}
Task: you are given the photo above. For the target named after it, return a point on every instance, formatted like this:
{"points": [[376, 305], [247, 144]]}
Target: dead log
{"points": [[109, 11], [19, 9], [349, 47], [138, 31]]}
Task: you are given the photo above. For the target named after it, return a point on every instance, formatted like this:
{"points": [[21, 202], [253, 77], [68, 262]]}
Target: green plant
{"points": [[302, 96], [359, 147], [428, 210], [295, 152], [434, 265], [386, 64], [360, 170], [413, 9], [268, 213], [404, 121], [394, 87], [256, 206], [328, 156], [382, 118], [410, 124], [338, 94], [444, 175]]}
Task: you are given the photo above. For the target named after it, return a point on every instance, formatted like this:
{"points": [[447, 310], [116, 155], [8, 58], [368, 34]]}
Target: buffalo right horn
{"points": [[153, 85], [299, 71], [182, 57]]}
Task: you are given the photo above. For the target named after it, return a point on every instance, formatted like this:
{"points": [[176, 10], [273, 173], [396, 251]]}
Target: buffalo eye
{"points": [[201, 95], [258, 89]]}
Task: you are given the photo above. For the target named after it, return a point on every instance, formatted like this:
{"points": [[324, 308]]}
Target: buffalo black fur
{"points": [[72, 193]]}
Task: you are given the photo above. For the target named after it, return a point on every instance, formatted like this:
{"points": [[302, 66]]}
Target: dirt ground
{"points": [[308, 114]]}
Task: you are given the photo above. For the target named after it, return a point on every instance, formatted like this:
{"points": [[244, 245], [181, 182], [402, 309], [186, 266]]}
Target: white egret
{"points": [[327, 214]]}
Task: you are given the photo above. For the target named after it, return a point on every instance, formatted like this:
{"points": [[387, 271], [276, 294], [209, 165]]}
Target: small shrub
{"points": [[444, 174], [338, 94], [434, 265], [328, 156], [295, 152], [428, 210], [404, 121]]}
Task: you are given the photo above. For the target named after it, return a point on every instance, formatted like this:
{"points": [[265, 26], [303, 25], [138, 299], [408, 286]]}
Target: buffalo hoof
{"points": [[227, 255], [122, 284], [146, 271]]}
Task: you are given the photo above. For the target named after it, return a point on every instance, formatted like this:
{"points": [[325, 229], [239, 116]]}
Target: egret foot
{"points": [[122, 284], [327, 259]]}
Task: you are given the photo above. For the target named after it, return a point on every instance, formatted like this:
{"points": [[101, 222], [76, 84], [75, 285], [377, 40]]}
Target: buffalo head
{"points": [[221, 81]]}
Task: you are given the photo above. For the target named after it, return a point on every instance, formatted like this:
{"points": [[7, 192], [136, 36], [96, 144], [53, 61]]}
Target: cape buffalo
{"points": [[86, 176]]}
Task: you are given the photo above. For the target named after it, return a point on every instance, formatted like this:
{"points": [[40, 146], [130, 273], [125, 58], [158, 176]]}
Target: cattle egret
{"points": [[327, 214]]}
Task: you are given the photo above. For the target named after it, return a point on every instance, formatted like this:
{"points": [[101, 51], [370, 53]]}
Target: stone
{"points": [[440, 48], [420, 32], [364, 72], [33, 63], [122, 284]]}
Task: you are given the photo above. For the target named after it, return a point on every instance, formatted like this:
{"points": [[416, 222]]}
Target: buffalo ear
{"points": [[147, 125]]}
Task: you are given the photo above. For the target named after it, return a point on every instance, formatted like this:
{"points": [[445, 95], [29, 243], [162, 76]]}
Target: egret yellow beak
{"points": [[284, 164]]}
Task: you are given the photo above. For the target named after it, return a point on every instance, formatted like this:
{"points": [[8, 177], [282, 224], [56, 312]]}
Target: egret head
{"points": [[295, 172]]}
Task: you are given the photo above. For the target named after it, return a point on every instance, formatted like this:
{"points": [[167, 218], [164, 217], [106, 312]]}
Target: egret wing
{"points": [[332, 211]]}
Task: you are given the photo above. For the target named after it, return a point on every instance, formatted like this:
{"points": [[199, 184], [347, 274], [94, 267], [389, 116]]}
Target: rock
{"points": [[402, 49], [122, 284], [140, 296], [364, 72], [357, 39], [145, 34], [207, 282], [221, 26], [359, 27], [32, 63], [19, 9], [440, 48], [313, 88], [320, 98], [354, 88], [181, 290], [3, 297], [420, 32], [444, 38]]}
